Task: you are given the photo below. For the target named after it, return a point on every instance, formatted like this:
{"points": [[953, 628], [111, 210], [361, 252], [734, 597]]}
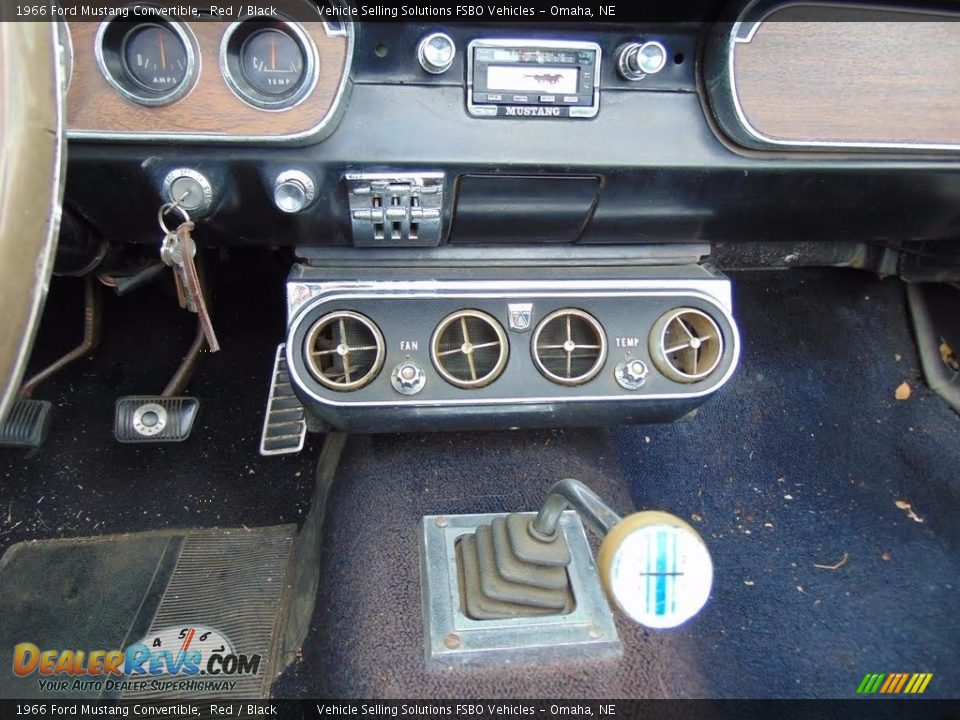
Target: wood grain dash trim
{"points": [[210, 110], [840, 76]]}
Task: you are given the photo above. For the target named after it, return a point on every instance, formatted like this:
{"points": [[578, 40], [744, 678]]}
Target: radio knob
{"points": [[637, 60], [436, 53], [293, 191]]}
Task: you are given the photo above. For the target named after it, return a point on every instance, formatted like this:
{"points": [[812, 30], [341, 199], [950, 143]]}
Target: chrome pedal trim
{"points": [[452, 638], [284, 424]]}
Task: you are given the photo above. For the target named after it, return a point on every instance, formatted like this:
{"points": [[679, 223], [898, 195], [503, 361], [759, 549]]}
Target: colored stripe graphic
{"points": [[661, 573], [894, 683]]}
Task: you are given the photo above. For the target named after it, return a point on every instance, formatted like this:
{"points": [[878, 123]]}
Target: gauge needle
{"points": [[163, 51], [273, 53]]}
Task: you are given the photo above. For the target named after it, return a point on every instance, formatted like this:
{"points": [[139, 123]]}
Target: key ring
{"points": [[168, 207]]}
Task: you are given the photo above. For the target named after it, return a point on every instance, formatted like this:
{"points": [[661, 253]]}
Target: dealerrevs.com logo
{"points": [[176, 659]]}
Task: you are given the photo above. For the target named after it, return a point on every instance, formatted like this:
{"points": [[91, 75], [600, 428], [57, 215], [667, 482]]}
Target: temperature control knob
{"points": [[637, 60], [293, 191]]}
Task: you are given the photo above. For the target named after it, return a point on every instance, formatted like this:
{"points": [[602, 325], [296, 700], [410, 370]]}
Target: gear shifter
{"points": [[500, 587], [654, 566]]}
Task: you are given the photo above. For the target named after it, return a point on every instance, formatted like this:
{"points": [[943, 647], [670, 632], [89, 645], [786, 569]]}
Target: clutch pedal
{"points": [[27, 425], [285, 426], [144, 418]]}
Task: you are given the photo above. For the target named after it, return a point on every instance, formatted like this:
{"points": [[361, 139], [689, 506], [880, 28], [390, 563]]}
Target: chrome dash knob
{"points": [[637, 60], [436, 53], [293, 191]]}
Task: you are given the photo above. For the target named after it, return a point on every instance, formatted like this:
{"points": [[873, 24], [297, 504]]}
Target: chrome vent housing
{"points": [[569, 347], [686, 345], [344, 350], [469, 349]]}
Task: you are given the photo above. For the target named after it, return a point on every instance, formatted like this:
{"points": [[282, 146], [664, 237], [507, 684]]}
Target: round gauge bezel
{"points": [[231, 64], [113, 65]]}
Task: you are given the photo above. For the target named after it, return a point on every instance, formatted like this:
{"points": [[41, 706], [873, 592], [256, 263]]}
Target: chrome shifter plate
{"points": [[451, 638]]}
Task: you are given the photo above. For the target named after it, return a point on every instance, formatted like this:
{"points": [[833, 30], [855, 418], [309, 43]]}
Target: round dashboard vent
{"points": [[469, 349], [344, 350], [569, 347], [686, 345]]}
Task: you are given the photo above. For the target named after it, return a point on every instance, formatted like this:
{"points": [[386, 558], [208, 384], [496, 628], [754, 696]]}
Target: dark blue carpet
{"points": [[801, 461]]}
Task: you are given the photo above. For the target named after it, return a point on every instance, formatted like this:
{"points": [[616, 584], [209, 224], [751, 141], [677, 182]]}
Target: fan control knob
{"points": [[408, 378]]}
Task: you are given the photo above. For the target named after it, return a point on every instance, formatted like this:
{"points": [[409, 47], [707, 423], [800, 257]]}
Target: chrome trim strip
{"points": [[751, 26], [301, 292], [519, 295], [264, 434], [191, 74], [310, 67], [63, 30], [319, 131]]}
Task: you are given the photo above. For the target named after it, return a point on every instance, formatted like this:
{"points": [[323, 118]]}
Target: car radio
{"points": [[533, 78]]}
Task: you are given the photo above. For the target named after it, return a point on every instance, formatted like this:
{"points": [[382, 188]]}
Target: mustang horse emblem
{"points": [[549, 79]]}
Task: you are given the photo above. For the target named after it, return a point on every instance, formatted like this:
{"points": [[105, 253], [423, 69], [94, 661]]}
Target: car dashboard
{"points": [[518, 223]]}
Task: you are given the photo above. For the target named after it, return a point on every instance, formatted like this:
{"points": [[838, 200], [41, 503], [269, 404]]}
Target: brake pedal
{"points": [[27, 425], [285, 425], [145, 419]]}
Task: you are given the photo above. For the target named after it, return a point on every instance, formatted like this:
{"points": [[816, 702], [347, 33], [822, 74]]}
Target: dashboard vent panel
{"points": [[344, 350], [469, 349], [569, 347], [686, 345]]}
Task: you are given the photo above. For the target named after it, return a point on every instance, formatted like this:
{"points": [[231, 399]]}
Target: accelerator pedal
{"points": [[150, 419], [285, 425], [27, 425]]}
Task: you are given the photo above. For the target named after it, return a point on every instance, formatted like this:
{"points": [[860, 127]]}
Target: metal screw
{"points": [[594, 632], [451, 641], [442, 522]]}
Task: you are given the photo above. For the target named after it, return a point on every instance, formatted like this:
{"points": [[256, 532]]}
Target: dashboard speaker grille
{"points": [[569, 347], [469, 349], [344, 350], [686, 345]]}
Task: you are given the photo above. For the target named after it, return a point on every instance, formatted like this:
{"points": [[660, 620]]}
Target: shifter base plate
{"points": [[452, 638]]}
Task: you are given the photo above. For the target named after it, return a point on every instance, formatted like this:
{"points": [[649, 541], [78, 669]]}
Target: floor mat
{"points": [[219, 594]]}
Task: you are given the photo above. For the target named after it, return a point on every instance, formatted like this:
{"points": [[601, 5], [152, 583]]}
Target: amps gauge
{"points": [[533, 78]]}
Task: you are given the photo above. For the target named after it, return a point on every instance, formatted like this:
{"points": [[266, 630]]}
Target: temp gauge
{"points": [[272, 62], [270, 65], [149, 63]]}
